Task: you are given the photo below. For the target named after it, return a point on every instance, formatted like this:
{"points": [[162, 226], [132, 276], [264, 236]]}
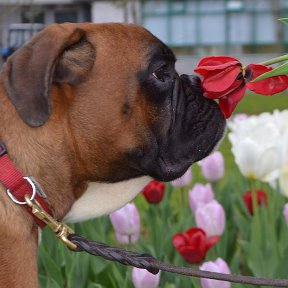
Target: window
{"points": [[66, 16]]}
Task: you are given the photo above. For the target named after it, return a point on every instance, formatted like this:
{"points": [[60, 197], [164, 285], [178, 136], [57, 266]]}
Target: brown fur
{"points": [[68, 150]]}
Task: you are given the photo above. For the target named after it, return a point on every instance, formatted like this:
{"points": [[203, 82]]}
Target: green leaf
{"points": [[52, 284], [284, 20], [169, 285], [95, 285], [47, 282], [281, 70], [281, 270], [52, 268], [97, 265]]}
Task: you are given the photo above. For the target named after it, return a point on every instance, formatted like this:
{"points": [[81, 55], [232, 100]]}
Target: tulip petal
{"points": [[268, 86], [283, 181], [268, 164], [221, 81], [261, 197], [199, 195], [245, 156], [229, 102], [221, 94], [218, 266], [184, 180], [142, 278], [126, 221], [179, 240], [285, 212], [211, 241], [195, 230], [211, 218], [212, 167], [211, 63], [192, 255]]}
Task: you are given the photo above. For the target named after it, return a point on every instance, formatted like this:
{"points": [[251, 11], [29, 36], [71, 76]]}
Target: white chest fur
{"points": [[103, 198]]}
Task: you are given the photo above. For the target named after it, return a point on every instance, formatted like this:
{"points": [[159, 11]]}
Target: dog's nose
{"points": [[192, 85], [193, 79]]}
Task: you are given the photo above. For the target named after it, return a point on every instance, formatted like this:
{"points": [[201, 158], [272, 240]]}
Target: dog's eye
{"points": [[161, 74]]}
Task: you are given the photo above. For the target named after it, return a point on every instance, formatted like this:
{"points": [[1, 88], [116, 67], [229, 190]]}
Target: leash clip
{"points": [[61, 230]]}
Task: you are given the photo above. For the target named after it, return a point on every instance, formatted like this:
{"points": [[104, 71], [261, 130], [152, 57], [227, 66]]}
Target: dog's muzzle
{"points": [[197, 125]]}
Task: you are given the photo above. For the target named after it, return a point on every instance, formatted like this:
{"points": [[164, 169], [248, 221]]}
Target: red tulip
{"points": [[225, 78], [193, 244], [154, 192], [261, 199]]}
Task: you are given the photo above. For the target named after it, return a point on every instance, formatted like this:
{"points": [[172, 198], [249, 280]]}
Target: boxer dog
{"points": [[93, 112]]}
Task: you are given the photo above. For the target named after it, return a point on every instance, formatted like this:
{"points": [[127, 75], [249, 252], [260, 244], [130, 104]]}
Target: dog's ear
{"points": [[59, 53]]}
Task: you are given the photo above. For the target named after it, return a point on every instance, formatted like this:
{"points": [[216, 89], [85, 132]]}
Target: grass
{"points": [[255, 104]]}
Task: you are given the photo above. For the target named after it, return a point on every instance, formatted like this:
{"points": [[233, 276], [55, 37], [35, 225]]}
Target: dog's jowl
{"points": [[93, 112]]}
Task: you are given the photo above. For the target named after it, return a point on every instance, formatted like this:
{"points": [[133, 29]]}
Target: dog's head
{"points": [[117, 88]]}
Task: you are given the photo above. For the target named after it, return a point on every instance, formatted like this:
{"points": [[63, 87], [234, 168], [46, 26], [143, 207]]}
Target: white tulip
{"points": [[256, 147], [281, 120], [283, 177]]}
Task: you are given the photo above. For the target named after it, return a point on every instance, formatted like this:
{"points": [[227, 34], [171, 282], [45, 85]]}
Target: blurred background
{"points": [[245, 29]]}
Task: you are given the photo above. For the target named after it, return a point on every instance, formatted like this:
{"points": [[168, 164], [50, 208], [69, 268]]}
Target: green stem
{"points": [[155, 230], [182, 198], [255, 204], [255, 209], [275, 60]]}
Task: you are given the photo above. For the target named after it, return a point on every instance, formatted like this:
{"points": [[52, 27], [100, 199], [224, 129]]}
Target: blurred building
{"points": [[40, 11], [207, 26], [247, 29], [190, 27]]}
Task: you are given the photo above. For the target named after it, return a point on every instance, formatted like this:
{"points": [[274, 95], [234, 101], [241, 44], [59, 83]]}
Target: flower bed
{"points": [[228, 223]]}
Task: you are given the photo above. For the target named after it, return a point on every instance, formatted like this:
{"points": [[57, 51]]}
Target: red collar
{"points": [[18, 186]]}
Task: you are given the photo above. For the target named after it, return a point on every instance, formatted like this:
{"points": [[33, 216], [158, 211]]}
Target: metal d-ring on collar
{"points": [[24, 202]]}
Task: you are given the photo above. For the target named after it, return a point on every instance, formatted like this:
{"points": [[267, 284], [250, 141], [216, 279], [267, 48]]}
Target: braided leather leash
{"points": [[148, 262]]}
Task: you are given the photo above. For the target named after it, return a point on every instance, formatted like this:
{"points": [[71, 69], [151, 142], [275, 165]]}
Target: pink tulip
{"points": [[200, 194], [285, 212], [219, 266], [126, 223], [141, 278], [212, 167], [211, 218], [184, 180]]}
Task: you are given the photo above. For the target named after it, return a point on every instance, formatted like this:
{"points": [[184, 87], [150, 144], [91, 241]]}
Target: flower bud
{"points": [[212, 167], [154, 192], [193, 244], [199, 195], [184, 180], [141, 278], [126, 223], [219, 266], [261, 197], [211, 218]]}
